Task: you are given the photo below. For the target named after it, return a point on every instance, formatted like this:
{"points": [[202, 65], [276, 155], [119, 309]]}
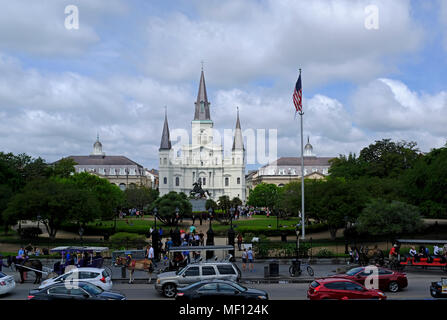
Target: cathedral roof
{"points": [[96, 160]]}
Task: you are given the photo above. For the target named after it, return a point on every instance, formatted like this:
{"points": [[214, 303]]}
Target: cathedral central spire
{"points": [[202, 110]]}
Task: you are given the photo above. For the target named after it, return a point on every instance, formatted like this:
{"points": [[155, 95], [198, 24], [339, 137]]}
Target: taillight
{"points": [[2, 283], [180, 294], [103, 280], [30, 297]]}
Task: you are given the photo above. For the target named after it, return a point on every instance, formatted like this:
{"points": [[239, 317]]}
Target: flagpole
{"points": [[302, 175]]}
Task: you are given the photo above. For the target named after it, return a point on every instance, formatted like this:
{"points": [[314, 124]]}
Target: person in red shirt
{"points": [[393, 253]]}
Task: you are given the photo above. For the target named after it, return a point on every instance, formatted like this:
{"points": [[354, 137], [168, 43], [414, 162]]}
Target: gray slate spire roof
{"points": [[238, 142], [165, 140], [202, 110]]}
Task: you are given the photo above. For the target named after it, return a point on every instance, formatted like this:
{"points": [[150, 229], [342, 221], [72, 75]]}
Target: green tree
{"points": [[140, 197], [381, 217], [167, 204], [263, 195], [210, 203], [63, 168], [109, 196], [55, 201], [424, 185], [236, 202]]}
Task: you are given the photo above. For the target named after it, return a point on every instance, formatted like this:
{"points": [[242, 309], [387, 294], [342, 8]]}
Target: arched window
{"points": [[177, 181], [226, 182], [165, 180], [203, 181], [122, 186], [238, 180]]}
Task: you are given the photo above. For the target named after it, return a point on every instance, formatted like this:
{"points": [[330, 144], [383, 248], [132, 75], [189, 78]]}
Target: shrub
{"points": [[325, 253], [127, 236]]}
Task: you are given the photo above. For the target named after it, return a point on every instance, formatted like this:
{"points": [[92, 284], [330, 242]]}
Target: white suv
{"points": [[96, 276]]}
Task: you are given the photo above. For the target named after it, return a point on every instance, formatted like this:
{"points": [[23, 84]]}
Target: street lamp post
{"points": [[210, 236], [155, 236], [297, 232], [231, 234], [81, 232], [38, 221]]}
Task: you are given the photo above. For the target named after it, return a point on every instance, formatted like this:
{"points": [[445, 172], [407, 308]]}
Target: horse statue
{"points": [[30, 263], [133, 264], [197, 189]]}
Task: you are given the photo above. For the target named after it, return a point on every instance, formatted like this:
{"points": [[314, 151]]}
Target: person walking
{"points": [[150, 254], [239, 241], [250, 258], [244, 259]]}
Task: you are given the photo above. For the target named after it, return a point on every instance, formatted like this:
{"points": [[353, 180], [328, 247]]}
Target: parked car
{"points": [[341, 289], [7, 283], [97, 276], [79, 291], [212, 290], [436, 290], [389, 280], [167, 283]]}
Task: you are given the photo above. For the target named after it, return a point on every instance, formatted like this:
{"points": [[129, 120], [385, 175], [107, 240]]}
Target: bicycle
{"points": [[295, 268]]}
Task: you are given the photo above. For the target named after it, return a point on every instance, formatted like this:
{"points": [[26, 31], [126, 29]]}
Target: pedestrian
{"points": [[244, 259], [160, 231], [150, 254], [250, 258], [202, 238], [192, 228], [239, 241], [193, 219]]}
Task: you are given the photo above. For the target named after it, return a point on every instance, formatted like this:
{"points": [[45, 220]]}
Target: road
{"points": [[419, 282]]}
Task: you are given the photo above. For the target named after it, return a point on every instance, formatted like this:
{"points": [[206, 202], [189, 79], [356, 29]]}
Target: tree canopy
{"points": [[263, 195], [167, 204]]}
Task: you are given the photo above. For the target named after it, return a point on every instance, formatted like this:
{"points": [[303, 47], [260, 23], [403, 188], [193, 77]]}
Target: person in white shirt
{"points": [[412, 252], [436, 250]]}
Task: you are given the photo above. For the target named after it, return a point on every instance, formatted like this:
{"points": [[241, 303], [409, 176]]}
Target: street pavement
{"points": [[418, 288]]}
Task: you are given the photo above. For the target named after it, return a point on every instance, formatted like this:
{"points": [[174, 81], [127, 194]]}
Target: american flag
{"points": [[297, 96]]}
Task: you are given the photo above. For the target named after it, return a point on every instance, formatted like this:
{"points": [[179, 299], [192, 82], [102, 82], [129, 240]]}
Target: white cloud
{"points": [[245, 41]]}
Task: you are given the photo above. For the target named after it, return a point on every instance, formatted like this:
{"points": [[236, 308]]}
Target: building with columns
{"points": [[119, 170], [287, 169], [202, 160]]}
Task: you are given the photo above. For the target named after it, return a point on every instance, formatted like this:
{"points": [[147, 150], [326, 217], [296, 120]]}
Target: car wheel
{"points": [[434, 294], [169, 290], [393, 286]]}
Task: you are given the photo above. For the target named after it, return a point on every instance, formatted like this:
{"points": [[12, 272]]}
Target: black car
{"points": [[70, 291], [212, 290], [436, 290]]}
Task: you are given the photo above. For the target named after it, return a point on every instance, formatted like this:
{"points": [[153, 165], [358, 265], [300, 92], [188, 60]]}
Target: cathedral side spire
{"points": [[165, 143], [238, 142]]}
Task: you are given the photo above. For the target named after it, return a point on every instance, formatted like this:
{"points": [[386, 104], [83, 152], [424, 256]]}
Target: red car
{"points": [[341, 289], [389, 280]]}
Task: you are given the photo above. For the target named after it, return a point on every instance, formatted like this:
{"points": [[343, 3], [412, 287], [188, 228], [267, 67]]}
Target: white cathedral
{"points": [[203, 160]]}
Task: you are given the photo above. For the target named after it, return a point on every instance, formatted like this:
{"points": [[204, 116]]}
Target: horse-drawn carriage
{"points": [[424, 261], [71, 257], [78, 257]]}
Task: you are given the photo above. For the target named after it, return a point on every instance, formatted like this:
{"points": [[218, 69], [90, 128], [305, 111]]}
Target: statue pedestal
{"points": [[198, 204]]}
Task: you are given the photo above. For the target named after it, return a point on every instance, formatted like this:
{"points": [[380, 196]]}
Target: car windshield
{"points": [[90, 288], [191, 286], [354, 271], [2, 275], [181, 270]]}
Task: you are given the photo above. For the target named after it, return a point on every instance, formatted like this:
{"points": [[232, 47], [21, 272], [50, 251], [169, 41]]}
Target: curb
{"points": [[248, 280]]}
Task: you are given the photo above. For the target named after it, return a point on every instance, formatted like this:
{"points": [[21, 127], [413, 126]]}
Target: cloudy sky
{"points": [[113, 75]]}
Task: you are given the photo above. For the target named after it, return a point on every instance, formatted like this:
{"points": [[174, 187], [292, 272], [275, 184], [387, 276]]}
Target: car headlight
{"points": [[381, 293], [158, 281], [262, 297]]}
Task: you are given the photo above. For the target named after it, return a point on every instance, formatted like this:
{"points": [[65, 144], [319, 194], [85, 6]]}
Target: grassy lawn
{"points": [[258, 223]]}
